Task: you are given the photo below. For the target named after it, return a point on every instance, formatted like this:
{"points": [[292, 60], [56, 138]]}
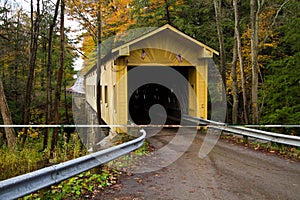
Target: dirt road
{"points": [[228, 172]]}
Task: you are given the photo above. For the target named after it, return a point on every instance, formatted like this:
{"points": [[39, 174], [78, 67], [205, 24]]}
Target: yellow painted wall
{"points": [[193, 109], [155, 57], [121, 92], [201, 91]]}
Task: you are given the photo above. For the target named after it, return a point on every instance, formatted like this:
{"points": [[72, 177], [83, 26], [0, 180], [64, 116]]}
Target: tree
{"points": [[6, 116], [14, 57], [59, 77], [234, 85], [25, 57], [255, 7], [283, 99], [167, 8], [241, 60], [155, 13], [35, 29], [115, 16], [49, 73], [217, 5]]}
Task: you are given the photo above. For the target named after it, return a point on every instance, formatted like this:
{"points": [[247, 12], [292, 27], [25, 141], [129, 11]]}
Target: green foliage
{"points": [[129, 161], [143, 150], [282, 79], [282, 93], [150, 13], [195, 18], [290, 29], [80, 186], [67, 149]]}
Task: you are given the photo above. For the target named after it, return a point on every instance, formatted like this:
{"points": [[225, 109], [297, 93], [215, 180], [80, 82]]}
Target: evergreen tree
{"points": [[282, 79]]}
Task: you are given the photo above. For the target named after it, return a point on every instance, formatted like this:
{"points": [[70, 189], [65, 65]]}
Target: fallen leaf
{"points": [[192, 191], [138, 180]]}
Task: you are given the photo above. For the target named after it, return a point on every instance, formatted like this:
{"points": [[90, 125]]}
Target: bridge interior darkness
{"points": [[149, 96]]}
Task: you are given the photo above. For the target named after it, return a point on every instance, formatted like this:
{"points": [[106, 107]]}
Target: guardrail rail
{"points": [[254, 133], [25, 184]]}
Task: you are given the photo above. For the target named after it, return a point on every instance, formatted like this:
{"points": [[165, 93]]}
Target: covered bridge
{"points": [[126, 93]]}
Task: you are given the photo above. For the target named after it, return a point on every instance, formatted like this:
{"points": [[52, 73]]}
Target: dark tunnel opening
{"points": [[149, 95]]}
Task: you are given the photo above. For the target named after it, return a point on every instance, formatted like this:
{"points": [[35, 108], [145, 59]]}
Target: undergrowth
{"points": [[80, 186], [14, 162], [85, 184], [285, 151], [31, 156]]}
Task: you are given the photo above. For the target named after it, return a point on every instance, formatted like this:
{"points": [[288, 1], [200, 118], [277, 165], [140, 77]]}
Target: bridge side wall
{"points": [[91, 90]]}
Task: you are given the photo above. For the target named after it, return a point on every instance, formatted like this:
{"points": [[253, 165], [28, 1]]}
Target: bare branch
{"points": [[274, 20], [4, 37]]}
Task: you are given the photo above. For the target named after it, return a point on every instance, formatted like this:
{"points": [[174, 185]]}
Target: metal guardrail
{"points": [[28, 183], [254, 133], [201, 121], [263, 135]]}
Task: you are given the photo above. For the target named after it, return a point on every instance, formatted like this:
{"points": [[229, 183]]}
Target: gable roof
{"points": [[158, 30]]}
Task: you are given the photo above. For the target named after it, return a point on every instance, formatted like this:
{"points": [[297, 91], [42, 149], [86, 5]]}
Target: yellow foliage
{"points": [[31, 133], [265, 21]]}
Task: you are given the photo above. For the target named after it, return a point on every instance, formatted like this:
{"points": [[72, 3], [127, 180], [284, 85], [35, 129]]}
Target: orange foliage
{"points": [[115, 19], [118, 17]]}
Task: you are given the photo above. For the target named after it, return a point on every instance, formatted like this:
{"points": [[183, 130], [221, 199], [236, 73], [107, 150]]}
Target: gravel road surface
{"points": [[228, 172]]}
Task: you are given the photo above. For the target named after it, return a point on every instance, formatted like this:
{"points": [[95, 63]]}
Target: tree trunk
{"points": [[239, 50], [6, 116], [59, 79], [35, 28], [167, 12], [217, 5], [234, 85], [254, 12], [49, 74]]}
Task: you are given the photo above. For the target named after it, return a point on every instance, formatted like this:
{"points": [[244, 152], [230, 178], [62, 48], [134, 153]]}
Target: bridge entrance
{"points": [[147, 96]]}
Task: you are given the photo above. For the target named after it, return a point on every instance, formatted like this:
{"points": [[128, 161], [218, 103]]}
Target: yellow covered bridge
{"points": [[130, 84]]}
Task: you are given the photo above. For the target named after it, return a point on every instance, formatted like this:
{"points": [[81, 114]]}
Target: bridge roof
{"points": [[163, 28], [111, 48], [78, 86]]}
